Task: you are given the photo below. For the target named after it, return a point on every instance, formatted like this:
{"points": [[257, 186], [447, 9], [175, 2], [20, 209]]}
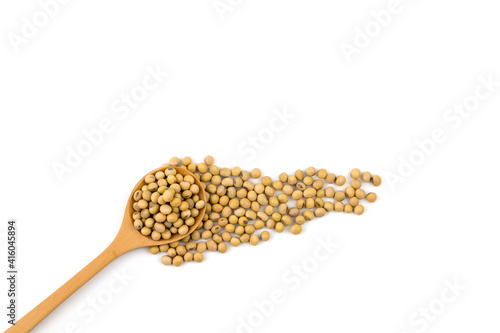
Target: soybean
{"points": [[237, 207]]}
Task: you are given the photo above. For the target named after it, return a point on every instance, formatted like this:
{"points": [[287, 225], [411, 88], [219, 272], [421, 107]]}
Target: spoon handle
{"points": [[35, 316]]}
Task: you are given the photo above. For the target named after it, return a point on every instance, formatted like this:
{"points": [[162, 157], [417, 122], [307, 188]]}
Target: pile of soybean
{"points": [[239, 205]]}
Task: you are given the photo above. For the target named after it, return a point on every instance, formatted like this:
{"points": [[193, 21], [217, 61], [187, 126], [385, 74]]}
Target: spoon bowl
{"points": [[131, 238], [128, 238]]}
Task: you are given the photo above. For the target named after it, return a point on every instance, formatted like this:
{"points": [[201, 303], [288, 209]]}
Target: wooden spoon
{"points": [[128, 238]]}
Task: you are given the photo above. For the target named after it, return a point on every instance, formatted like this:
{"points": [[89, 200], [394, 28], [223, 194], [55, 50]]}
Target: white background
{"points": [[226, 76]]}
